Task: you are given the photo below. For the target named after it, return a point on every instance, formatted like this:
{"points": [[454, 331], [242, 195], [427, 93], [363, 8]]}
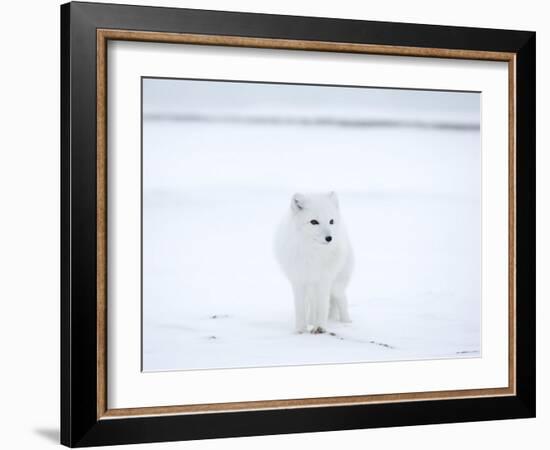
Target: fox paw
{"points": [[318, 330]]}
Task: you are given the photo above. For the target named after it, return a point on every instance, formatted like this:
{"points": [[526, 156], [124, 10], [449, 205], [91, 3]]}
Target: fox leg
{"points": [[339, 299], [333, 311], [300, 309], [339, 302], [322, 302]]}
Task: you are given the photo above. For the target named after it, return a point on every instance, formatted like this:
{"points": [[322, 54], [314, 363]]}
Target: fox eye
{"points": [[331, 221], [314, 222]]}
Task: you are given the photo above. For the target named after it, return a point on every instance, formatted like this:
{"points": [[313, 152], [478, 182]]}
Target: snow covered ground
{"points": [[213, 295]]}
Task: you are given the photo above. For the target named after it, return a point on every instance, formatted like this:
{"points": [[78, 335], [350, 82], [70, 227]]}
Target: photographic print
{"points": [[289, 224], [328, 222]]}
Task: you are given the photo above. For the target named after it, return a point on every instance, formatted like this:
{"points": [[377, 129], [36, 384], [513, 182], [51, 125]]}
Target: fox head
{"points": [[317, 217]]}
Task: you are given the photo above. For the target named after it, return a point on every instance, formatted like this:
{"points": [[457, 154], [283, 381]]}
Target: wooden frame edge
{"points": [[289, 44], [103, 35], [512, 199], [303, 403], [101, 222]]}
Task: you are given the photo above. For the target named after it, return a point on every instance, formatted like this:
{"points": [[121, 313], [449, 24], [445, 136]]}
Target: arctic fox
{"points": [[314, 251]]}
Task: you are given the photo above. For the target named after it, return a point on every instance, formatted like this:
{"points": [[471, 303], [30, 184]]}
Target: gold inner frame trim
{"points": [[103, 36]]}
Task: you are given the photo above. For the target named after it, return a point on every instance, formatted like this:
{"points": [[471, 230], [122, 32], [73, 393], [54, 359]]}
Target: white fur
{"points": [[318, 271]]}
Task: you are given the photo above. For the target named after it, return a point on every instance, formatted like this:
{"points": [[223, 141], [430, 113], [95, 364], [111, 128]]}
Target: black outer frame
{"points": [[79, 423]]}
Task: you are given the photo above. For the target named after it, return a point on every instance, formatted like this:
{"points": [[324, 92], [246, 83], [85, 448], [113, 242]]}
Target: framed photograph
{"points": [[277, 224]]}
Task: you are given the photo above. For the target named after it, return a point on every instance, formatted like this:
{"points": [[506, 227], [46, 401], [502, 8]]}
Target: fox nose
{"points": [[328, 238]]}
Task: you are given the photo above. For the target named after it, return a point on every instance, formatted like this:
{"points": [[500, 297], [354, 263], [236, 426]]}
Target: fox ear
{"points": [[332, 195], [298, 202]]}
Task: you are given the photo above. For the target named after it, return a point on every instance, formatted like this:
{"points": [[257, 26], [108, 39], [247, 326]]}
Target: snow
{"points": [[213, 194]]}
